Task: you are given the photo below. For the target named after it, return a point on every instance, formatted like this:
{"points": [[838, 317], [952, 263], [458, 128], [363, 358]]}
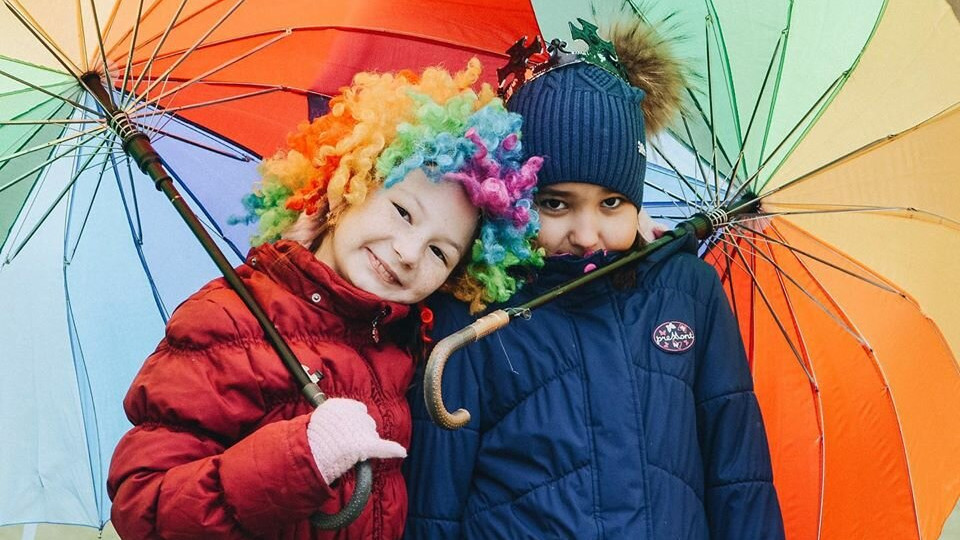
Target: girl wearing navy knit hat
{"points": [[624, 409]]}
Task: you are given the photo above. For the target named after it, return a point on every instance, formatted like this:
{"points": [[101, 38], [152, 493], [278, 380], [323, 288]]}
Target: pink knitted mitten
{"points": [[341, 433]]}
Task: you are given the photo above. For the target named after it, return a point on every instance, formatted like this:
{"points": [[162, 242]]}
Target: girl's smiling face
{"points": [[579, 219], [402, 242]]}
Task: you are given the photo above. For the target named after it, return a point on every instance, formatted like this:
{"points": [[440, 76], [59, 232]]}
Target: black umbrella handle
{"points": [[137, 145]]}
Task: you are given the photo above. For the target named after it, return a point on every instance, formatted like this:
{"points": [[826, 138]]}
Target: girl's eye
{"points": [[552, 204], [612, 202], [439, 253], [403, 212]]}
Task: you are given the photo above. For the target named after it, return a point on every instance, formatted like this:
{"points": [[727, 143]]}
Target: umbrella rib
{"points": [[50, 121], [51, 94], [669, 194], [729, 256], [48, 42], [726, 276], [858, 151], [48, 144], [112, 18], [446, 43], [713, 131], [133, 42], [90, 134], [238, 153], [836, 305], [814, 385], [187, 53], [753, 117], [235, 156], [228, 63], [781, 273], [208, 222], [892, 211], [81, 369], [802, 343], [779, 323], [680, 176], [103, 54], [136, 232], [786, 138], [81, 36], [38, 123], [875, 362], [168, 110], [161, 121], [246, 84], [86, 216], [857, 263], [80, 170], [785, 35], [67, 83], [713, 17], [818, 259], [693, 146], [131, 94], [706, 121]]}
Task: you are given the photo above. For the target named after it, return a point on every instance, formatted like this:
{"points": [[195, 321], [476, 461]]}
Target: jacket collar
{"points": [[299, 271]]}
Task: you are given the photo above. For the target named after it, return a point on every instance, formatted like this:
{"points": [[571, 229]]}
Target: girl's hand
{"points": [[341, 433], [649, 229]]}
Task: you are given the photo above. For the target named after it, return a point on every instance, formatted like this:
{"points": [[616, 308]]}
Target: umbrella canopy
{"points": [[92, 260], [839, 118], [840, 109]]}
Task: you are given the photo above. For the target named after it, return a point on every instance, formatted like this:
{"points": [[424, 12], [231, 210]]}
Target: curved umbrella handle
{"points": [[350, 511], [363, 474], [433, 374]]}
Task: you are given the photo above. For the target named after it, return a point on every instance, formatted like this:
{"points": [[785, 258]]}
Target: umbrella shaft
{"points": [[699, 225], [137, 145]]}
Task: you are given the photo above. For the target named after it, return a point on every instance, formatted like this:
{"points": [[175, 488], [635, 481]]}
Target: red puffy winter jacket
{"points": [[219, 445]]}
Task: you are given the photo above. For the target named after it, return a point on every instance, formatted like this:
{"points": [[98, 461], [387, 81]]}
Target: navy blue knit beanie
{"points": [[588, 126]]}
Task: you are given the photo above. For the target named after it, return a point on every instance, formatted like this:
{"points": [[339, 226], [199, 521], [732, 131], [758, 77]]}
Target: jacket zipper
{"points": [[375, 325], [380, 400]]}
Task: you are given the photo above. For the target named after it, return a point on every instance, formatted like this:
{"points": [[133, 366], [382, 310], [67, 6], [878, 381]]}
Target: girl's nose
{"points": [[408, 248], [584, 237]]}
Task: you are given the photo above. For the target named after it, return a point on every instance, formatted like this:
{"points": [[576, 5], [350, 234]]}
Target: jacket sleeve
{"points": [[195, 465], [441, 462], [740, 498]]}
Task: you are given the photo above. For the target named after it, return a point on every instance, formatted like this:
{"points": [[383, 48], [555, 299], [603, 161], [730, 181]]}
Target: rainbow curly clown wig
{"points": [[384, 126]]}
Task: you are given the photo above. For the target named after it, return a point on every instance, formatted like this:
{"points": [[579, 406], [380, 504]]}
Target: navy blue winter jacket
{"points": [[612, 413]]}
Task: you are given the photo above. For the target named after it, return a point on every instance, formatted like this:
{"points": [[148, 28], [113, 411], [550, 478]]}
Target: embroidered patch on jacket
{"points": [[674, 336]]}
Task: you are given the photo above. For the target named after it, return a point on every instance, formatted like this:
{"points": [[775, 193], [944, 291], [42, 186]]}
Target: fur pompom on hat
{"points": [[646, 57], [590, 124]]}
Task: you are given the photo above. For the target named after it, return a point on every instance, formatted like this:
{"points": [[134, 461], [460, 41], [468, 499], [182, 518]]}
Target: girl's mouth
{"points": [[382, 270]]}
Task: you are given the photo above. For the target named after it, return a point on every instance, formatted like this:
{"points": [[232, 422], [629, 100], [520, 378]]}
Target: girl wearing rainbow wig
{"points": [[411, 182]]}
